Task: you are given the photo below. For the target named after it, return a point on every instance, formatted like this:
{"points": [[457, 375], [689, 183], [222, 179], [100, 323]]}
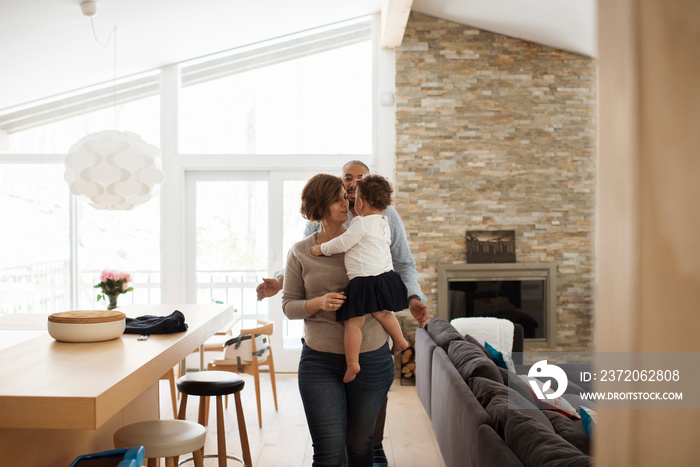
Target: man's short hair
{"points": [[356, 163]]}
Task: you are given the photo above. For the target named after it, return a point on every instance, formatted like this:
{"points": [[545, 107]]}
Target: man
{"points": [[403, 264]]}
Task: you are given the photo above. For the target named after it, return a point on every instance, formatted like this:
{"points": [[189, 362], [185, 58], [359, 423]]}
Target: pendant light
{"points": [[113, 169]]}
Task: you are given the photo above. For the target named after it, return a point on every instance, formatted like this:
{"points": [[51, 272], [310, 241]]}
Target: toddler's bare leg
{"points": [[392, 326], [353, 341]]}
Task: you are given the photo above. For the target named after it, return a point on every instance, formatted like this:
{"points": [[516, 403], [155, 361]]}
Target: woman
{"points": [[340, 416]]}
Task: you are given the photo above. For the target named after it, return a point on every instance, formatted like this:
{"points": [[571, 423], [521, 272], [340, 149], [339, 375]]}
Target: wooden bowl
{"points": [[86, 325]]}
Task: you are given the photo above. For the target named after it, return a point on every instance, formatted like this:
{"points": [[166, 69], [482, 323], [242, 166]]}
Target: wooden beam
{"points": [[648, 268], [394, 18]]}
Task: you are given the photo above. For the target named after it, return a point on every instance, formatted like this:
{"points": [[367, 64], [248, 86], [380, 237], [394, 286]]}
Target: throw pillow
{"points": [[469, 338], [501, 360], [542, 448], [442, 333], [514, 382], [500, 402], [496, 356], [470, 362], [589, 418], [569, 429], [558, 404]]}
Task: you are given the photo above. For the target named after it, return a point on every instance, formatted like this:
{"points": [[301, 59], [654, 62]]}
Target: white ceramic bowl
{"points": [[86, 332]]}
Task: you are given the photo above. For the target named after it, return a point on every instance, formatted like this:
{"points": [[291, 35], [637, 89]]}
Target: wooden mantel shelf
{"points": [[55, 385]]}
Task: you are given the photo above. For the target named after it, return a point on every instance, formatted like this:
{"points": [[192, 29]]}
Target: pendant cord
{"points": [[115, 77], [106, 44], [94, 33]]}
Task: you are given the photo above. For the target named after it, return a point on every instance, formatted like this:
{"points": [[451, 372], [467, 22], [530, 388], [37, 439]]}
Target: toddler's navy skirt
{"points": [[385, 292]]}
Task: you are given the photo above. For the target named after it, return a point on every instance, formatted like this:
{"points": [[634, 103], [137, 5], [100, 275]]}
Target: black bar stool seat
{"points": [[217, 384], [210, 383]]}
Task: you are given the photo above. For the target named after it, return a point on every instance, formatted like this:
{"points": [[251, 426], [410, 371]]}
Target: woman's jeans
{"points": [[342, 415]]}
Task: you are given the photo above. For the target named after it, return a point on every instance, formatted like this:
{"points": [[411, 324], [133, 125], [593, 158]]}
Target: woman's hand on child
{"points": [[316, 250], [331, 301]]}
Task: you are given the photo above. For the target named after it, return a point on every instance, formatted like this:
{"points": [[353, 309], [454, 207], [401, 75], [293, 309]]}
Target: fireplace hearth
{"points": [[524, 293]]}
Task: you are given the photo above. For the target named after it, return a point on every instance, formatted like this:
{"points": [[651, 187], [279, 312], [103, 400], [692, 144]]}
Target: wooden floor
{"points": [[284, 438]]}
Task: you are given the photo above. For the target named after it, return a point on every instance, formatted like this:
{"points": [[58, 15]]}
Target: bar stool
{"points": [[219, 384], [164, 438]]}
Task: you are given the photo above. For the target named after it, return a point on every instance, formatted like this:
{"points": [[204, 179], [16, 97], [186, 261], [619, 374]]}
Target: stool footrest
{"points": [[214, 456]]}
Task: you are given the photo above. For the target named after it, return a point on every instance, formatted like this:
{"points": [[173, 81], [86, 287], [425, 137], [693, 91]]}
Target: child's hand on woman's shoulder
{"points": [[316, 250]]}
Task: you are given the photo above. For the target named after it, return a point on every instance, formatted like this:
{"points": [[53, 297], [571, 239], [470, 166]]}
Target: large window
{"points": [[34, 238], [123, 240], [45, 130], [286, 109], [308, 95], [232, 242], [52, 251]]}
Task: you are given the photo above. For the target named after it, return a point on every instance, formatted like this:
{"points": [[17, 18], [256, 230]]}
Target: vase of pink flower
{"points": [[113, 283]]}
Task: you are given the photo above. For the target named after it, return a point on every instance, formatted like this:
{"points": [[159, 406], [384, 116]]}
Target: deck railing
{"points": [[45, 288]]}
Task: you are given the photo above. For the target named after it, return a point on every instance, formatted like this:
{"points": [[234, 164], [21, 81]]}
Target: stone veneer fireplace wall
{"points": [[495, 133]]}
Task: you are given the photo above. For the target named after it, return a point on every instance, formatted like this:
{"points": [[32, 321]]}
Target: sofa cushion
{"points": [[442, 333], [455, 413], [539, 447], [569, 429], [559, 404], [469, 338], [500, 402], [492, 451], [470, 361], [513, 381]]}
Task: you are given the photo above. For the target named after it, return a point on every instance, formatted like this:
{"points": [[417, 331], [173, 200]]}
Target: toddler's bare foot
{"points": [[399, 347], [351, 372]]}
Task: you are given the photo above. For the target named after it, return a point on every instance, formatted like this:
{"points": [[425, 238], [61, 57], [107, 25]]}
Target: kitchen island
{"points": [[59, 400]]}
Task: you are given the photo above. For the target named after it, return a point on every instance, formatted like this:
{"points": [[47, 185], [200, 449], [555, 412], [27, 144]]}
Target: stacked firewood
{"points": [[408, 363]]}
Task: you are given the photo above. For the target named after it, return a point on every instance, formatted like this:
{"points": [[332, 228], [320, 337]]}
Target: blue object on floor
{"points": [[125, 457]]}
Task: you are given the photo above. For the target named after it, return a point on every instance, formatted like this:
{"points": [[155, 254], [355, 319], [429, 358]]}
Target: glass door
{"points": [[240, 225], [228, 240]]}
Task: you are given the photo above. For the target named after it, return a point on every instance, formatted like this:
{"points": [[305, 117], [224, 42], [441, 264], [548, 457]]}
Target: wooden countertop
{"points": [[50, 384]]}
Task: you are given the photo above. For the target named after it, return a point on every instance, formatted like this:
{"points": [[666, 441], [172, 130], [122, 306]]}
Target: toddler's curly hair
{"points": [[376, 190]]}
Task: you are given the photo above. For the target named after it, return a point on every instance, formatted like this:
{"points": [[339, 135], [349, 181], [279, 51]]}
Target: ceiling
{"points": [[47, 47]]}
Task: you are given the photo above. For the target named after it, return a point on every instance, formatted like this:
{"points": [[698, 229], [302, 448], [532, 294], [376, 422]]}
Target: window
{"points": [[123, 240], [307, 95], [232, 242], [36, 253], [34, 239], [286, 108], [52, 127]]}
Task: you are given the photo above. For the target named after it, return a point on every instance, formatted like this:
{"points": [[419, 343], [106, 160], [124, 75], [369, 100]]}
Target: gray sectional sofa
{"points": [[479, 419]]}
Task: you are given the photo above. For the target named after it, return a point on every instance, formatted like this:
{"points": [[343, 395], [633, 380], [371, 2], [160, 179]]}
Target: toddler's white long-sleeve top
{"points": [[366, 244]]}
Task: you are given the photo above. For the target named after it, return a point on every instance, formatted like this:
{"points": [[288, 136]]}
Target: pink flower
{"points": [[113, 282]]}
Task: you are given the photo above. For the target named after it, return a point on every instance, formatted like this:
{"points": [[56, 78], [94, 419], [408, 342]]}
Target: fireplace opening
{"points": [[523, 293], [520, 301]]}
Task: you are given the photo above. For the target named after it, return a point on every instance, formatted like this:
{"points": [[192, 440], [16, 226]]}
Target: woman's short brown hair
{"points": [[320, 191], [376, 190]]}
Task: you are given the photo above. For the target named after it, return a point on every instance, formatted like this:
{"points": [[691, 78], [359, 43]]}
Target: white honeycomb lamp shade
{"points": [[114, 170]]}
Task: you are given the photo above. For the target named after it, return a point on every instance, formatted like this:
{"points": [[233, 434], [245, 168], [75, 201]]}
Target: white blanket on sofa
{"points": [[496, 331]]}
